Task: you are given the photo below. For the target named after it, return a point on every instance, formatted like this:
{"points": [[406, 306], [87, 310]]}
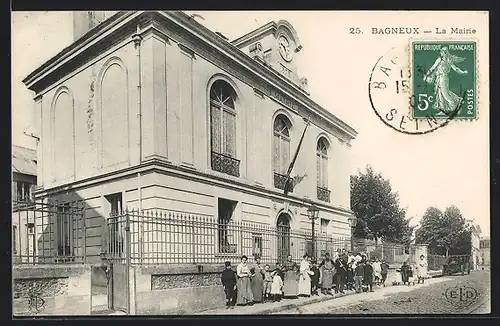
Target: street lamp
{"points": [[312, 213], [352, 223]]}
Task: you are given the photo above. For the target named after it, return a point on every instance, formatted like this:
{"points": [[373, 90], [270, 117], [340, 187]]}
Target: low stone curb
{"points": [[435, 274], [290, 306]]}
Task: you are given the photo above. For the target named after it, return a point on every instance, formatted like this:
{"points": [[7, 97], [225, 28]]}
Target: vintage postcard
{"points": [[250, 163]]}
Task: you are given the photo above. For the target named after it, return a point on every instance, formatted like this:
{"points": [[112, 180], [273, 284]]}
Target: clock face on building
{"points": [[285, 49]]}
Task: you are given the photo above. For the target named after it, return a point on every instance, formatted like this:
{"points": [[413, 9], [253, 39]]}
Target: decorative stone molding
{"points": [[165, 282], [304, 84], [256, 51], [24, 288], [90, 109]]}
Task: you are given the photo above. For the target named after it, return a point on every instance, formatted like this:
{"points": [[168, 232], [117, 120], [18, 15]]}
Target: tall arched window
{"points": [[322, 169], [63, 133], [223, 128], [114, 115], [281, 149]]}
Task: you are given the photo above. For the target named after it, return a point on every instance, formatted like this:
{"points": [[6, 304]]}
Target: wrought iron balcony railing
{"points": [[225, 164], [280, 180], [323, 194]]}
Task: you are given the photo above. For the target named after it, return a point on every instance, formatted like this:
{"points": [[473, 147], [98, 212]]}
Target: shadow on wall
{"points": [[67, 235]]}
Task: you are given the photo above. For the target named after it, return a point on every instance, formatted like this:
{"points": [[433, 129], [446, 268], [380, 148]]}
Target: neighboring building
{"points": [[484, 248], [151, 110], [475, 242], [23, 182]]}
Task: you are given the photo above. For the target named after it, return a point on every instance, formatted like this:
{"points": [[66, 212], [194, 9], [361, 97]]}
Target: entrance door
{"points": [[283, 230], [118, 287], [118, 238]]}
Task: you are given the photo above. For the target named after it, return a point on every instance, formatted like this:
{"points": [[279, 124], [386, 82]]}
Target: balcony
{"points": [[323, 194], [225, 164], [280, 180]]}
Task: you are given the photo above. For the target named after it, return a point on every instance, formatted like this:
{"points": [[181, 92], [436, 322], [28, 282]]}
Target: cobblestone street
{"points": [[429, 298]]}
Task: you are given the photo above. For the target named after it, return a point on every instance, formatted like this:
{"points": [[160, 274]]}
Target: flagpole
{"points": [[292, 163]]}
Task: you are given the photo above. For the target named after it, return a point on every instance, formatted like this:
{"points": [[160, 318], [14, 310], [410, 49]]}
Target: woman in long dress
{"points": [[405, 272], [291, 278], [444, 99], [305, 277], [327, 271], [421, 269], [243, 283], [377, 271], [257, 280]]}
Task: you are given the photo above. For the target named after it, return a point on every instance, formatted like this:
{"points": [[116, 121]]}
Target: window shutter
{"points": [[229, 134], [285, 159], [215, 128], [325, 172]]}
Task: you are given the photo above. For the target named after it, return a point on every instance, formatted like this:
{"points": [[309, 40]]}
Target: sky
{"points": [[447, 167]]}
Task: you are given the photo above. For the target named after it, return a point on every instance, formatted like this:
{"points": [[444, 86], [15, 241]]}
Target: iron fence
{"points": [[50, 232], [163, 237], [435, 262], [47, 232]]}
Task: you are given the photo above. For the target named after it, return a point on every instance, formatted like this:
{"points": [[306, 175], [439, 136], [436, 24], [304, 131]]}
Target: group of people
{"points": [[257, 283]]}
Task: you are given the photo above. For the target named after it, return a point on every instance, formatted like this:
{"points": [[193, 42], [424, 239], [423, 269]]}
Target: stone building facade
{"points": [[23, 183], [484, 248], [153, 111]]}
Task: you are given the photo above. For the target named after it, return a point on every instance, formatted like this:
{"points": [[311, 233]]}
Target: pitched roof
{"points": [[23, 160]]}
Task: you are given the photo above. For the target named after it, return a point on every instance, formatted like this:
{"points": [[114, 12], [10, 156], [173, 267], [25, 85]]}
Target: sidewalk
{"points": [[288, 304], [273, 307]]}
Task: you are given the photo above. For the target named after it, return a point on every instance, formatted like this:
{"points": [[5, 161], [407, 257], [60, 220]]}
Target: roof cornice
{"points": [[271, 26], [75, 48], [204, 34], [263, 72]]}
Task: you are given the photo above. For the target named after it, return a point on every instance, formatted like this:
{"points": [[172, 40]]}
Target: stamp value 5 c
{"points": [[443, 79]]}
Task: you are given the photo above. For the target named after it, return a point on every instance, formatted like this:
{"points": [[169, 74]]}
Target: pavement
{"points": [[290, 304], [456, 294], [296, 306]]}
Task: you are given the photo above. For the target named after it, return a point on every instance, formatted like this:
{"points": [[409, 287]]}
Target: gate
{"points": [[283, 236], [118, 235]]}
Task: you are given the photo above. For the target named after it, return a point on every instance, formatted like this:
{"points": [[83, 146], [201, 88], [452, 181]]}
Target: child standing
{"points": [[368, 276], [384, 271], [359, 272], [268, 282], [422, 269], [228, 279], [277, 286], [314, 278]]}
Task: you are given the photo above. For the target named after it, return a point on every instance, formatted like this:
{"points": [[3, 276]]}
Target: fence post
{"points": [[193, 238], [127, 257], [84, 226], [240, 228], [141, 234]]}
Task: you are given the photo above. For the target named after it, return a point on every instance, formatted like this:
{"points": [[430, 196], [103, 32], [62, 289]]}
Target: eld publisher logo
{"points": [[461, 296]]}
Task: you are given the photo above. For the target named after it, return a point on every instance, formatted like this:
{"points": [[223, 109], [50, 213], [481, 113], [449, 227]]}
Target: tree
{"points": [[444, 232], [377, 209]]}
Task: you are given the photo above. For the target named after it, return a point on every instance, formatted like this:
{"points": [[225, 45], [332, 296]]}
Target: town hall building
{"points": [[152, 111]]}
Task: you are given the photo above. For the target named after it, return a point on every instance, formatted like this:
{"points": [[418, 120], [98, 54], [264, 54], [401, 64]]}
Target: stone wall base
{"points": [[40, 290], [180, 300], [45, 306]]}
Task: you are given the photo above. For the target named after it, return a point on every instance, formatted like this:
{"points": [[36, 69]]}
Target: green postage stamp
{"points": [[443, 79]]}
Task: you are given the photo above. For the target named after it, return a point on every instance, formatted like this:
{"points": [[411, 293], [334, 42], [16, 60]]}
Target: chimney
{"points": [[84, 21]]}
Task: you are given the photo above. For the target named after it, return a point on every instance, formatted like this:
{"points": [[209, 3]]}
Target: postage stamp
{"points": [[443, 78]]}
